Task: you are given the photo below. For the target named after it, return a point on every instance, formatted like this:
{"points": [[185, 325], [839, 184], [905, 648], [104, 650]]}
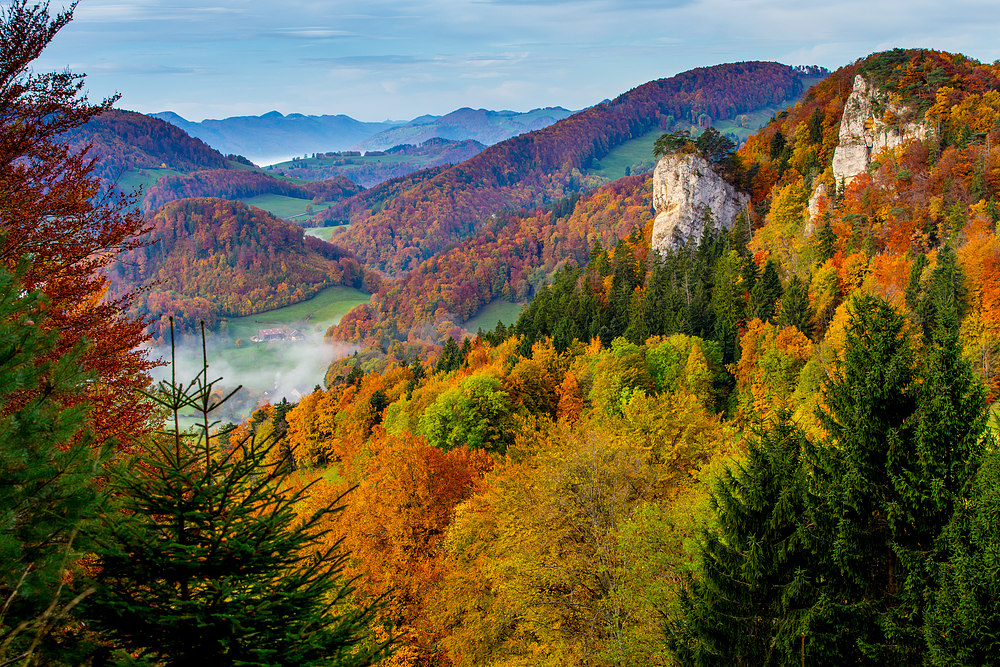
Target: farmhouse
{"points": [[282, 335]]}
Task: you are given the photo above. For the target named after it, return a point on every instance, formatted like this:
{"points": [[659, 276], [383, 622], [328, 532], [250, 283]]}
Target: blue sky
{"points": [[375, 60]]}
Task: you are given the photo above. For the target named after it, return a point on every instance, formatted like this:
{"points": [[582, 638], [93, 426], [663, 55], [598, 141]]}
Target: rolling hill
{"points": [[125, 142], [212, 258]]}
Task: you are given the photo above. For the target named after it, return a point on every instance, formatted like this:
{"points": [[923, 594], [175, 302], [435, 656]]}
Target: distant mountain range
{"points": [[274, 137], [482, 125]]}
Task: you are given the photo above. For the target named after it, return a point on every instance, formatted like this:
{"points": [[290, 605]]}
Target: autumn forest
{"points": [[773, 443]]}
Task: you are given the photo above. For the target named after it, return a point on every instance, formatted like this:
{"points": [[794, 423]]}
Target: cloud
{"points": [[310, 33], [424, 56], [143, 69], [372, 61]]}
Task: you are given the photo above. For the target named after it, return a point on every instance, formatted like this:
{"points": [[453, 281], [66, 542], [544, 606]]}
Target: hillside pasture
{"points": [[284, 207]]}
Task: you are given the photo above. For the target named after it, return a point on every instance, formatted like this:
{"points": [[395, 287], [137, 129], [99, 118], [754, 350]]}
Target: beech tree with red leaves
{"points": [[54, 212]]}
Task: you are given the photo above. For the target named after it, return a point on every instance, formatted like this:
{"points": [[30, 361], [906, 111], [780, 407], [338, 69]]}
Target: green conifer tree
{"points": [[870, 402], [48, 502], [739, 609], [765, 293], [795, 309], [935, 475], [208, 561], [728, 303], [962, 620], [826, 241]]}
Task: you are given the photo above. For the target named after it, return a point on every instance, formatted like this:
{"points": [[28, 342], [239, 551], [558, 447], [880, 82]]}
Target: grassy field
{"points": [[348, 162], [326, 233], [494, 311], [132, 180], [269, 371], [637, 151], [282, 206], [637, 154], [318, 313]]}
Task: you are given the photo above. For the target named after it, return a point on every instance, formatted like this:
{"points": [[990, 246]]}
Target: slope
{"points": [[240, 184], [534, 168], [122, 142], [509, 261], [213, 258]]}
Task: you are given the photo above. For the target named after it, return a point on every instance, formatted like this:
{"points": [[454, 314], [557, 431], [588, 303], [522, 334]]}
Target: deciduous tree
{"points": [[52, 209]]}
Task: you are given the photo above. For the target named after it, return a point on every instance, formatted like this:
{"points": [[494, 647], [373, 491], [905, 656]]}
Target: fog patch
{"points": [[268, 372]]}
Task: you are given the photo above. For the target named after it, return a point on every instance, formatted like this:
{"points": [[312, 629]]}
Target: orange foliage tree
{"points": [[396, 518]]}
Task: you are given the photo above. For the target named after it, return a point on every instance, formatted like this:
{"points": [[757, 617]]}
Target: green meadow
{"points": [[498, 310], [284, 207], [315, 314], [269, 371], [131, 181]]}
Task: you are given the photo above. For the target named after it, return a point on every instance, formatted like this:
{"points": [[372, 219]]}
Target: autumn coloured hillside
{"points": [[510, 261], [774, 445], [786, 420], [539, 167], [122, 141], [241, 184], [210, 258], [886, 229]]}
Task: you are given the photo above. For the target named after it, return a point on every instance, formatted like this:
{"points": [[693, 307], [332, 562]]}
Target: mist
{"points": [[268, 372]]}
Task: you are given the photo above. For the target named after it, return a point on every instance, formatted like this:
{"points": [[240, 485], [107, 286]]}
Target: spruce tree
{"points": [[870, 401], [826, 241], [962, 620], [795, 309], [48, 502], [934, 477], [728, 303], [765, 293], [208, 561], [740, 610]]}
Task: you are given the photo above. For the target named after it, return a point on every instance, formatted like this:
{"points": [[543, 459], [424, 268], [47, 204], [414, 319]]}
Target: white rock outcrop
{"points": [[863, 132], [819, 201], [685, 187]]}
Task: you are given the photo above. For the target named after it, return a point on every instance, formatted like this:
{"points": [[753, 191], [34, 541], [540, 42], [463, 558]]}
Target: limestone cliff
{"points": [[685, 188], [864, 132]]}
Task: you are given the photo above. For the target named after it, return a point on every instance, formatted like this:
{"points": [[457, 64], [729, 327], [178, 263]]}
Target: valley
{"points": [[701, 374], [269, 371]]}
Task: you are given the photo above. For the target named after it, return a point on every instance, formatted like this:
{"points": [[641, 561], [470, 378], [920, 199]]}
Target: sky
{"points": [[377, 60]]}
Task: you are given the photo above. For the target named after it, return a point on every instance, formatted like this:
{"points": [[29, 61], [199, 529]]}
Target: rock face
{"points": [[685, 188], [863, 131], [818, 202]]}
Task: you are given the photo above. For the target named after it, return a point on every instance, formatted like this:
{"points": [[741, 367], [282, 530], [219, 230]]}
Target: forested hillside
{"points": [[510, 260], [239, 184], [208, 258], [122, 141], [539, 167], [765, 448]]}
